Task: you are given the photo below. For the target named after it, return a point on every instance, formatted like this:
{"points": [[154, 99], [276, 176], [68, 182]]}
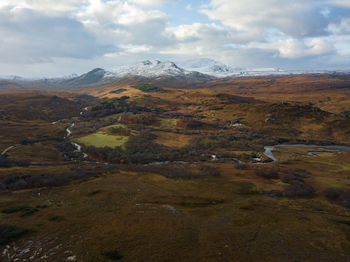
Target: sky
{"points": [[46, 38]]}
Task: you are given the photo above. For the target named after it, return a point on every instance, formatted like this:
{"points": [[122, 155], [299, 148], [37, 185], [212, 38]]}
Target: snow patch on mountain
{"points": [[197, 70], [218, 69], [149, 68], [210, 67]]}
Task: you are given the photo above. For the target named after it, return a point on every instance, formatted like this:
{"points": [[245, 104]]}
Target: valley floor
{"points": [[157, 174]]}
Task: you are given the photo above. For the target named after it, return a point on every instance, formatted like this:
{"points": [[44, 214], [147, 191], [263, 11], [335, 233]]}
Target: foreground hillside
{"points": [[142, 172]]}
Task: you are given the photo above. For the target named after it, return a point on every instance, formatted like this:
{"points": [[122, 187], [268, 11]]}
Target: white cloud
{"points": [[342, 3], [151, 2], [243, 32], [44, 6], [207, 35], [29, 36], [124, 23], [343, 27], [298, 18], [134, 15], [294, 48]]}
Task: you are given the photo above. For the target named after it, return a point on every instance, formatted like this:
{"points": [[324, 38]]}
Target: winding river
{"points": [[69, 133], [269, 149]]}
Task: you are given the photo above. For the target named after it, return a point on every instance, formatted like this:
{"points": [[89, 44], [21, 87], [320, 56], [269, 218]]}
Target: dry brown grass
{"points": [[172, 139], [148, 217]]}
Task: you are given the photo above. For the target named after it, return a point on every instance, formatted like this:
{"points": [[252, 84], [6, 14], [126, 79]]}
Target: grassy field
{"points": [[101, 139], [168, 123]]}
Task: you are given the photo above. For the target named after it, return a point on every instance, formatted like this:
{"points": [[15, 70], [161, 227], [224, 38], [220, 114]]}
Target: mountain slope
{"points": [[210, 67], [188, 74], [150, 68], [146, 70]]}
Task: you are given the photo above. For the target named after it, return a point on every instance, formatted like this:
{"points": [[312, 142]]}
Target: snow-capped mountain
{"points": [[11, 77], [192, 72], [150, 68], [218, 69], [210, 67], [94, 76]]}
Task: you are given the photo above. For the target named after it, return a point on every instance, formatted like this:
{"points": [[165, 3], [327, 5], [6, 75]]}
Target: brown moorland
{"points": [[190, 183]]}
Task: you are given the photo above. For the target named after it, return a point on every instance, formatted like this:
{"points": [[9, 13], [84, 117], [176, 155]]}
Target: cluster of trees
{"points": [[44, 180], [69, 151], [233, 140], [295, 178], [115, 106], [298, 188], [94, 124], [145, 119], [34, 141], [149, 88], [345, 113], [6, 162], [269, 173], [118, 91], [339, 196], [141, 148]]}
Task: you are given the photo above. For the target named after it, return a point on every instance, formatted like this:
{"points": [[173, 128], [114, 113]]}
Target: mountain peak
{"points": [[149, 68], [96, 70]]}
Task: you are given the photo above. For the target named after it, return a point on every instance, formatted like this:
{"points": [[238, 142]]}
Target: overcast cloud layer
{"points": [[53, 38]]}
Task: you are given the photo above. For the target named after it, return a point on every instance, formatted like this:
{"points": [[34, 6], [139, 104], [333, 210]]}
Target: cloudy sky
{"points": [[53, 38]]}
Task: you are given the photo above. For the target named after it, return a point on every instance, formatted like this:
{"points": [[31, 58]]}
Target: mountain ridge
{"points": [[189, 72]]}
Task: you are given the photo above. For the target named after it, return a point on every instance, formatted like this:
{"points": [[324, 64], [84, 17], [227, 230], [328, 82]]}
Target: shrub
{"points": [[149, 88], [289, 178], [344, 222], [56, 218], [300, 173], [27, 210], [298, 189], [194, 124], [241, 166], [269, 173], [113, 254], [345, 113], [14, 209], [118, 91], [344, 199], [5, 162], [333, 193], [209, 171], [9, 233], [341, 197], [275, 193], [44, 180]]}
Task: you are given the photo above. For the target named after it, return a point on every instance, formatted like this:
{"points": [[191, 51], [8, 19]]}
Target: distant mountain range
{"points": [[189, 72]]}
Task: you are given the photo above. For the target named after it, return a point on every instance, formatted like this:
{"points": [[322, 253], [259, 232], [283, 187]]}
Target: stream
{"points": [[69, 133], [267, 152], [212, 158], [269, 149]]}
